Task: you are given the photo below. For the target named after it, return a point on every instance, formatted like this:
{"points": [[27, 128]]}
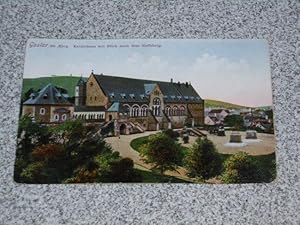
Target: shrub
{"points": [[240, 168], [123, 171], [172, 134], [235, 121], [162, 151], [203, 161]]}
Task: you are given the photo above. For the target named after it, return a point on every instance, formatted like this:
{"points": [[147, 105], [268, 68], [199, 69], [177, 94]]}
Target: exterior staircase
{"points": [[136, 127], [106, 128], [197, 132]]}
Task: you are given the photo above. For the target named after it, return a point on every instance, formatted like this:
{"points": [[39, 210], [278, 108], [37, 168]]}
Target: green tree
{"points": [[269, 113], [172, 134], [70, 132], [161, 151], [235, 121], [30, 135], [27, 94], [203, 161], [68, 153], [123, 171], [240, 168]]}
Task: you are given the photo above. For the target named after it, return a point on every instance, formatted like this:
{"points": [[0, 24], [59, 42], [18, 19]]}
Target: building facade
{"points": [[136, 105], [48, 105]]}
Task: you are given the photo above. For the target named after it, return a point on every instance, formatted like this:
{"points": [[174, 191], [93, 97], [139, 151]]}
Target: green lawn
{"points": [[220, 104], [266, 163], [151, 177], [138, 142]]}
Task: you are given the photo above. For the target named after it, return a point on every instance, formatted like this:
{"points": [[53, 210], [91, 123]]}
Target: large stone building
{"points": [[48, 105], [136, 105]]}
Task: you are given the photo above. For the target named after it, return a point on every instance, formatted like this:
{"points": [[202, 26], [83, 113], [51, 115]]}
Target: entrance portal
{"points": [[123, 128]]}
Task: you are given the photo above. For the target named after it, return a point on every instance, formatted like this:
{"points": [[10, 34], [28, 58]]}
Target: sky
{"points": [[235, 71]]}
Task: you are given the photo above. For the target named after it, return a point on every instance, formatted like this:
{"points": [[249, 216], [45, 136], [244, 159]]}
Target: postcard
{"points": [[146, 111]]}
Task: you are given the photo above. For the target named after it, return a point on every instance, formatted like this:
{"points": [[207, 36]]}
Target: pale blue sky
{"points": [[236, 71]]}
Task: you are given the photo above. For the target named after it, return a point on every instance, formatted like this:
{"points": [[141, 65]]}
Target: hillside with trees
{"points": [[66, 82]]}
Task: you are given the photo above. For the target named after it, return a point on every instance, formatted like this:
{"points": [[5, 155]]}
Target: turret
{"points": [[80, 92]]}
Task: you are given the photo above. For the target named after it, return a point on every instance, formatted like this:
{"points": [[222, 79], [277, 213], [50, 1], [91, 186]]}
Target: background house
{"points": [[48, 105]]}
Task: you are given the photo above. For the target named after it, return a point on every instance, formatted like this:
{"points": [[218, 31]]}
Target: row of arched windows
{"points": [[141, 111], [175, 110], [136, 110], [89, 116]]}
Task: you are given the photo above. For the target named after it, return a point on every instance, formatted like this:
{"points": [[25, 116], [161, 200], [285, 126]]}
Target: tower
{"points": [[80, 92]]}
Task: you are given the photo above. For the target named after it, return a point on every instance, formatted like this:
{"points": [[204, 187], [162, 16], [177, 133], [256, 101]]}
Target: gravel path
{"points": [[264, 145], [122, 145]]}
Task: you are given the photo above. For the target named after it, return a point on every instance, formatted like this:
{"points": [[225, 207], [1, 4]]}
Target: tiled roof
{"points": [[114, 107], [49, 95], [124, 88], [89, 108]]}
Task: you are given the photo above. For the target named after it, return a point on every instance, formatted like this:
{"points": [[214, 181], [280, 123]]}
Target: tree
{"points": [[235, 121], [172, 134], [67, 153], [69, 132], [269, 113], [162, 151], [203, 161], [30, 135], [123, 171], [240, 168], [27, 94]]}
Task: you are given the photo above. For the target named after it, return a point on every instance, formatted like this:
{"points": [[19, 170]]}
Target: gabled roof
{"points": [[114, 107], [123, 88], [49, 95], [149, 88]]}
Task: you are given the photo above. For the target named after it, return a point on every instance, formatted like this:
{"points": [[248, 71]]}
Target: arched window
{"points": [[156, 106], [135, 111], [42, 111], [64, 117], [156, 101], [168, 110], [182, 110], [144, 110], [175, 111], [56, 117]]}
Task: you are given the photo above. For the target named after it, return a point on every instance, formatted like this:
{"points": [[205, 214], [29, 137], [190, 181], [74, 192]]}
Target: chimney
{"points": [[186, 84], [171, 80], [178, 83]]}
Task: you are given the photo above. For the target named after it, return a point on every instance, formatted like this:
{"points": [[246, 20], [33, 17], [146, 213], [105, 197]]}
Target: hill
{"points": [[66, 82], [220, 104]]}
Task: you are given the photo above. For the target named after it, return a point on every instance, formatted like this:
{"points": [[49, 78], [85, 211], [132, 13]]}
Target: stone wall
{"points": [[197, 111], [28, 110], [53, 108], [94, 94], [43, 118]]}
